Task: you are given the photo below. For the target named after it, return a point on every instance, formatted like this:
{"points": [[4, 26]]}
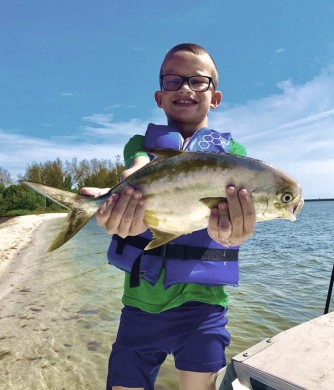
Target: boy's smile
{"points": [[184, 101], [186, 109]]}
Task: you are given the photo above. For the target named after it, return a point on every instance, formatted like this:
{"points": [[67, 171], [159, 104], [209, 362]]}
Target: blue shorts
{"points": [[194, 333]]}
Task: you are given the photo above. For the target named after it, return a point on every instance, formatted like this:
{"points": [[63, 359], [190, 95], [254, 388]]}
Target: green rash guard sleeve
{"points": [[133, 149], [238, 149], [135, 145]]}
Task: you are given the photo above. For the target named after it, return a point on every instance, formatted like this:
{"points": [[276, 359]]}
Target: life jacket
{"points": [[191, 258]]}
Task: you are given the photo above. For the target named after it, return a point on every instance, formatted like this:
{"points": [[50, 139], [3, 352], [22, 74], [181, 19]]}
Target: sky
{"points": [[77, 78]]}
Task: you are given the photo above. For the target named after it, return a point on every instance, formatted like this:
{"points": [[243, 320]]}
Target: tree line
{"points": [[16, 199]]}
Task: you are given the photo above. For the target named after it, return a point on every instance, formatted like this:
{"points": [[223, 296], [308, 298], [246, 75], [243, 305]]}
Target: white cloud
{"points": [[67, 94], [280, 50], [102, 125], [20, 150], [293, 130]]}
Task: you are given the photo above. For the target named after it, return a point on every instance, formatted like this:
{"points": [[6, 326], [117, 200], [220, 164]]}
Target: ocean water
{"points": [[57, 325]]}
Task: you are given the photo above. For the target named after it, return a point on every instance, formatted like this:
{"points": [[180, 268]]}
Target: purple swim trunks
{"points": [[194, 333]]}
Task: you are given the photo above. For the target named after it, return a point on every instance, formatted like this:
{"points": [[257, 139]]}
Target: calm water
{"points": [[57, 327]]}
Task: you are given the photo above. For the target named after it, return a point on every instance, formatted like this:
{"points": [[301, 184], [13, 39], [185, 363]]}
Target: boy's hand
{"points": [[123, 214], [233, 222]]}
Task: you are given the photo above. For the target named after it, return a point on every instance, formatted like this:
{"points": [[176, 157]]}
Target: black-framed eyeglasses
{"points": [[173, 82]]}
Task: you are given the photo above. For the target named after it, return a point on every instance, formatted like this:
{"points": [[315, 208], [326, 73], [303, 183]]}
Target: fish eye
{"points": [[287, 197]]}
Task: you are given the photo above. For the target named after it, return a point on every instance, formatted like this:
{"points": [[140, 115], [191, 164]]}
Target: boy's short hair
{"points": [[195, 49]]}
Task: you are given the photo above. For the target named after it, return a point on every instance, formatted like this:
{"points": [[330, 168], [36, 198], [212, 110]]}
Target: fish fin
{"points": [[212, 202], [163, 154], [159, 154], [82, 209], [160, 238]]}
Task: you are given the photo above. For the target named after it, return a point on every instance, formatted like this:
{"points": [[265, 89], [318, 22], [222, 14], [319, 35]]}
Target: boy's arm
{"points": [[123, 214], [134, 157], [137, 163], [238, 149], [133, 149]]}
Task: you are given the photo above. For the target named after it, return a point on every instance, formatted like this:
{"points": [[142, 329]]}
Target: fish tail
{"points": [[82, 209]]}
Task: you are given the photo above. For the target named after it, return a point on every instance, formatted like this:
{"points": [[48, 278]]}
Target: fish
{"points": [[180, 188]]}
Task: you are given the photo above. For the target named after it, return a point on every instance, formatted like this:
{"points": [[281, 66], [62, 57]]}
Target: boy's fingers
{"points": [[138, 224], [225, 227], [236, 218], [130, 213], [235, 211], [104, 212], [249, 213], [123, 214], [116, 210], [213, 223], [219, 226]]}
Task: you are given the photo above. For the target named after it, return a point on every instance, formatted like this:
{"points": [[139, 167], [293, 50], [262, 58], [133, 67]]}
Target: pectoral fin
{"points": [[212, 202], [160, 238]]}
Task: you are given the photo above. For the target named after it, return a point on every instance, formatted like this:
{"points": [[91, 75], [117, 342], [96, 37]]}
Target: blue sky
{"points": [[77, 78]]}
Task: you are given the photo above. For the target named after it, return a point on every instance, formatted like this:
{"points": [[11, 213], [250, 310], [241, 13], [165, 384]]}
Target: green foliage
{"points": [[72, 176], [17, 198], [51, 173], [94, 173]]}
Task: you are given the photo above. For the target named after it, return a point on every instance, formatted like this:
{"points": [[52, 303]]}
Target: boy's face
{"points": [[185, 108]]}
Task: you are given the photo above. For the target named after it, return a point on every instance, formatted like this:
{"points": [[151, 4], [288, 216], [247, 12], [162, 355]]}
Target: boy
{"points": [[185, 318]]}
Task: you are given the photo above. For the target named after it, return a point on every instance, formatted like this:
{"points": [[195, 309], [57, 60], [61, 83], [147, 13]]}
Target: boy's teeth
{"points": [[185, 101]]}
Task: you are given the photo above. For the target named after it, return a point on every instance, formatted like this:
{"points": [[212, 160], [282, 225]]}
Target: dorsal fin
{"points": [[160, 154], [163, 154]]}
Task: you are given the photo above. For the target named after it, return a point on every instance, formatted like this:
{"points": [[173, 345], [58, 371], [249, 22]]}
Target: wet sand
{"points": [[54, 333], [21, 322], [16, 234]]}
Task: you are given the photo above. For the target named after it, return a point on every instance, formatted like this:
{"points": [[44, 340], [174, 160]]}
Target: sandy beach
{"points": [[56, 330], [21, 322], [16, 233]]}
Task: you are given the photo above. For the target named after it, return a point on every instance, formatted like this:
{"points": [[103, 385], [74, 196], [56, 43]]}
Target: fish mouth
{"points": [[294, 209], [297, 207]]}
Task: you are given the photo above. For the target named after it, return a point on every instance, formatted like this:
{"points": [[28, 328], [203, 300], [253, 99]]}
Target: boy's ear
{"points": [[158, 97], [217, 97]]}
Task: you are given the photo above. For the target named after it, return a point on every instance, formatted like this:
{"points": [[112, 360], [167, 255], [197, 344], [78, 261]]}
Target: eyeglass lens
{"points": [[196, 83]]}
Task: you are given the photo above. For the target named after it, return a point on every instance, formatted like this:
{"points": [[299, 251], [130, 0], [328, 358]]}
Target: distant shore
{"points": [[319, 200]]}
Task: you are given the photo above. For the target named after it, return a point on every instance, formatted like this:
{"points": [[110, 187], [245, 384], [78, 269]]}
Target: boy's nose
{"points": [[185, 85]]}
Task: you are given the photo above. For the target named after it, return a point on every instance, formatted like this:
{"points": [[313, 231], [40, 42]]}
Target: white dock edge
{"points": [[299, 358]]}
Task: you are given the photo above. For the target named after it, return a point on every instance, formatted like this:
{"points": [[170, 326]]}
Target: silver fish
{"points": [[180, 188]]}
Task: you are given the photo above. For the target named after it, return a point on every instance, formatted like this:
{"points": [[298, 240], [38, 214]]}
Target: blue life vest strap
{"points": [[170, 250]]}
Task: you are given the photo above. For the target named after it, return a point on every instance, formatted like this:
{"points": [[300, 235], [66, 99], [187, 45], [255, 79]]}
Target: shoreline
{"points": [[50, 321], [17, 233]]}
